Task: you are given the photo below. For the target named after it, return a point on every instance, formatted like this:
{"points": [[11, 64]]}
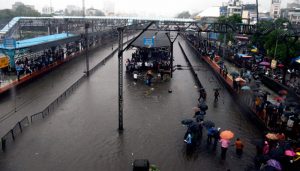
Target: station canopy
{"points": [[152, 39], [40, 42]]}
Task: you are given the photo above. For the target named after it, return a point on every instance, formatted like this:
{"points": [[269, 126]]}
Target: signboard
{"points": [[273, 64], [148, 41], [4, 61], [9, 43]]}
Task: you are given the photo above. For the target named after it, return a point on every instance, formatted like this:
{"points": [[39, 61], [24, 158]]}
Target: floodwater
{"points": [[82, 133]]}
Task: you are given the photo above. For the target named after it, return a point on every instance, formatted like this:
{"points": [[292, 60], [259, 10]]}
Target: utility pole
{"points": [[224, 48], [171, 52], [86, 26], [120, 78]]}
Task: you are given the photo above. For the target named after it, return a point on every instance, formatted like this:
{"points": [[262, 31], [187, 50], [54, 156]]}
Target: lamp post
{"points": [[257, 11]]}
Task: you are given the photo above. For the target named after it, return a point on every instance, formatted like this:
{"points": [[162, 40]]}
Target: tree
{"points": [[23, 10], [184, 14], [99, 13]]}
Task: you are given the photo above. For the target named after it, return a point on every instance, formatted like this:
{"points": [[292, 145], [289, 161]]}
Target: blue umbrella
{"points": [[245, 88], [234, 73]]}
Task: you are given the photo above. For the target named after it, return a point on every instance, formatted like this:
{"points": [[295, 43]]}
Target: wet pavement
{"points": [[37, 95], [82, 133]]}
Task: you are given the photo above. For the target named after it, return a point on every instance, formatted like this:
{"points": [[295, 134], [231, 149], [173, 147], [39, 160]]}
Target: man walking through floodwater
{"points": [[217, 94]]}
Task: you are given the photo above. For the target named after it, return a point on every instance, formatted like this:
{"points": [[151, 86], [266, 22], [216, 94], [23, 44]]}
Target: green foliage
{"points": [[6, 14], [232, 20], [23, 10], [267, 41]]}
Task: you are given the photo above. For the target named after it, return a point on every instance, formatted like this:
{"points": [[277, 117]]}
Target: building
{"points": [[294, 4], [234, 7], [47, 10], [275, 9], [249, 14], [294, 16]]}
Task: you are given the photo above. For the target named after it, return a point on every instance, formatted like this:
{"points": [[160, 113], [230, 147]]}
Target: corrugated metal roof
{"points": [[38, 40]]}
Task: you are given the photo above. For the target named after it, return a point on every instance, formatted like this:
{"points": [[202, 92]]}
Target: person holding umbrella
{"points": [[225, 137]]}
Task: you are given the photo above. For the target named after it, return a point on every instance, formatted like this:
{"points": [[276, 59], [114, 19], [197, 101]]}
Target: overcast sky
{"points": [[147, 7]]}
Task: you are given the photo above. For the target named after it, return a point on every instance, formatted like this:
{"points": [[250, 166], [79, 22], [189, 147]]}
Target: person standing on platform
{"points": [[239, 147], [224, 146]]}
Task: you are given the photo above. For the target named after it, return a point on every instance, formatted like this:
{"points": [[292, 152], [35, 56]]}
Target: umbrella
{"points": [[278, 98], [203, 107], [272, 136], [290, 153], [269, 168], [265, 63], [227, 135], [283, 92], [208, 124], [245, 88], [240, 79], [234, 74], [187, 121], [280, 65], [258, 82], [246, 56], [274, 163]]}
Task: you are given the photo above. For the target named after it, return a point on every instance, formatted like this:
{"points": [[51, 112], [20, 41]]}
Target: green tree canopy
{"points": [[231, 20]]}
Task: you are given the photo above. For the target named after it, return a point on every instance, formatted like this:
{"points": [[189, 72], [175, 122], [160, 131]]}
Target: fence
{"points": [[10, 136]]}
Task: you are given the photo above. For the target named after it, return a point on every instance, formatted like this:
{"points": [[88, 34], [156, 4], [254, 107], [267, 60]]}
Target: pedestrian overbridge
{"points": [[60, 24]]}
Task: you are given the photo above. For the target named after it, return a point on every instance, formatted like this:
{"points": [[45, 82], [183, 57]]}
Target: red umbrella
{"points": [[280, 65], [278, 98], [283, 92]]}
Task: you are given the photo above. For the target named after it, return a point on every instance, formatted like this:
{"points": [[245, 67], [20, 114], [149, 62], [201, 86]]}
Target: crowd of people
{"points": [[32, 63], [28, 65], [281, 144], [148, 62]]}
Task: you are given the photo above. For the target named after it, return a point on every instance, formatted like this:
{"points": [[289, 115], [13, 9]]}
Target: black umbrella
{"points": [[199, 118], [194, 127], [203, 107], [208, 124], [234, 74], [187, 121]]}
